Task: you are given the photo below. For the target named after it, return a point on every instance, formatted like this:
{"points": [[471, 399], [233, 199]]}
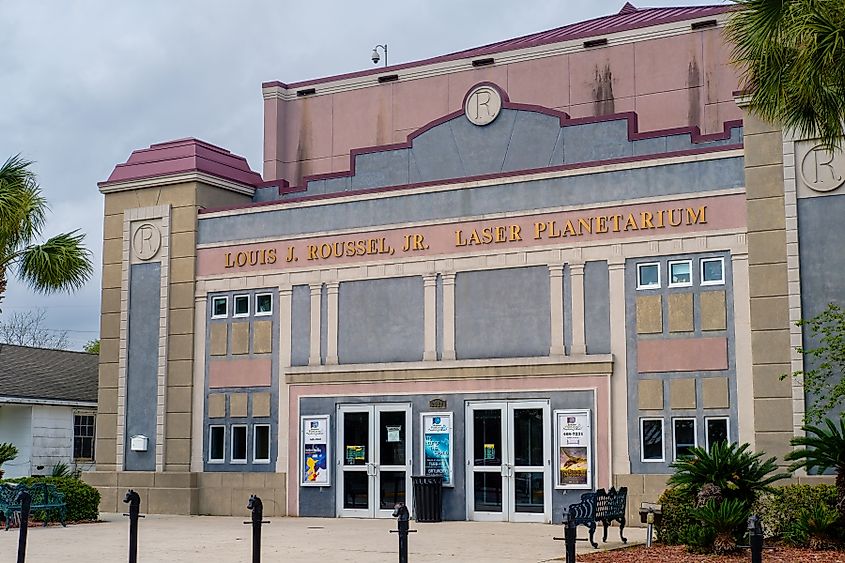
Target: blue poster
{"points": [[437, 447]]}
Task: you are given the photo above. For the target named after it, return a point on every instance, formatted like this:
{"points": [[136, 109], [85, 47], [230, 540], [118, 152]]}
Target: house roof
{"points": [[628, 18], [45, 374]]}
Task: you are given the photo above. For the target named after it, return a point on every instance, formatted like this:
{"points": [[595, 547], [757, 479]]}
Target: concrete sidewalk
{"points": [[215, 539]]}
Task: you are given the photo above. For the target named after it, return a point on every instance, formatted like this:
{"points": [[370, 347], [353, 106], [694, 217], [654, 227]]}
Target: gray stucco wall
{"points": [[381, 320], [673, 179], [320, 501], [597, 307], [300, 330], [142, 363], [822, 260], [502, 313], [667, 413]]}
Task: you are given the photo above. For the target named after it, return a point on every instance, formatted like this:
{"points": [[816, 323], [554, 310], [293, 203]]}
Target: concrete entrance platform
{"points": [[216, 539]]}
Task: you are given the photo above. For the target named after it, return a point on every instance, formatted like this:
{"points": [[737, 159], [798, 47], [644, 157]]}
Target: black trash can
{"points": [[428, 498]]}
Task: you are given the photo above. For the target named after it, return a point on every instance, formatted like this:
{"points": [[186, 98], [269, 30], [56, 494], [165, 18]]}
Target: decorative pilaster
{"points": [[198, 391], [430, 317], [620, 461], [332, 289], [579, 339], [557, 347], [449, 316], [314, 352]]}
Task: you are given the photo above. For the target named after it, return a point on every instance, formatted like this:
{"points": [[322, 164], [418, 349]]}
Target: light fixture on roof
{"points": [[376, 58]]}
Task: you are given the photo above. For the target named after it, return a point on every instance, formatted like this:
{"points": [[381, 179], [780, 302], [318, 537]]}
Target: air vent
{"points": [[483, 62], [595, 43], [306, 92], [388, 78], [703, 25]]}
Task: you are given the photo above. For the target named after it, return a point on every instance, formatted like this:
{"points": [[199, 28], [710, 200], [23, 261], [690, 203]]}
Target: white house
{"points": [[48, 405]]}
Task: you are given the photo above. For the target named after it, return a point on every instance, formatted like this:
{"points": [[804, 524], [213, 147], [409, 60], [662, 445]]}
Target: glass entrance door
{"points": [[374, 459], [509, 461]]}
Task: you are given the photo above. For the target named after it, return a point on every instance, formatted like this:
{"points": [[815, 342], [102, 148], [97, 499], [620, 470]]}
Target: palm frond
{"points": [[22, 207], [61, 263], [821, 448]]}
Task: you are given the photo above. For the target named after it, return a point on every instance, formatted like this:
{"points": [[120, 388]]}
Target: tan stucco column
{"points": [[449, 316], [430, 317], [579, 340], [557, 347], [285, 301], [620, 461], [198, 392], [742, 328], [332, 289]]}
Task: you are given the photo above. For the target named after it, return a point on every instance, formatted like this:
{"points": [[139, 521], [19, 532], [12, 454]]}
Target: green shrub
{"points": [[679, 525], [782, 508], [726, 520], [82, 499]]}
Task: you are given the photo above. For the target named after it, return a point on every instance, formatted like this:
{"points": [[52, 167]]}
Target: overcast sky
{"points": [[83, 83]]}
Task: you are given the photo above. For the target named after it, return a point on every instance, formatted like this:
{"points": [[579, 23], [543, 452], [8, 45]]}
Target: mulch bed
{"points": [[679, 554]]}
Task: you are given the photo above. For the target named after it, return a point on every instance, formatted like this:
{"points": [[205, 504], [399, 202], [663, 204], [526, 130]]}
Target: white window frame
{"points": [[674, 437], [232, 458], [210, 428], [653, 286], [727, 420], [235, 314], [701, 271], [662, 439], [255, 458], [224, 298], [265, 313], [669, 273]]}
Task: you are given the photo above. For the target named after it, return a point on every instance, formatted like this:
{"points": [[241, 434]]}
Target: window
{"points": [[239, 443], [680, 273], [717, 430], [684, 433], [83, 436], [263, 304], [651, 439], [261, 444], [241, 306], [648, 275], [712, 271], [219, 307], [216, 444]]}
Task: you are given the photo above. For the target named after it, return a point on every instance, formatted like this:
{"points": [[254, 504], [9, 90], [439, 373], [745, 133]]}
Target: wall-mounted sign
{"points": [[574, 446], [314, 455], [437, 446], [437, 404], [483, 105]]}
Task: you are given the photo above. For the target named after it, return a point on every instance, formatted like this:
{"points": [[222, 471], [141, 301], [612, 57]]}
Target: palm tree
{"points": [[792, 58], [60, 263], [823, 449]]}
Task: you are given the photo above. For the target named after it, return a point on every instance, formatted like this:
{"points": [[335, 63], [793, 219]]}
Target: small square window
{"points": [[684, 434], [239, 443], [263, 304], [680, 273], [261, 444], [712, 271], [241, 306], [717, 430], [648, 275], [83, 436], [219, 307], [651, 440], [216, 444]]}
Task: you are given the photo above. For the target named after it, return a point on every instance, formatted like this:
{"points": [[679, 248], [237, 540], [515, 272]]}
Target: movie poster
{"points": [[315, 451], [437, 446], [574, 447]]}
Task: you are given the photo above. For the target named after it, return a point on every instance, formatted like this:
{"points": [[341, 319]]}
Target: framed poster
{"points": [[437, 438], [574, 450], [314, 451]]}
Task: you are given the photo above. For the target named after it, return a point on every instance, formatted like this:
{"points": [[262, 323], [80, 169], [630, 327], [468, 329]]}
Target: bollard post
{"points": [[134, 500], [755, 537], [26, 501], [403, 522], [569, 536], [256, 507], [650, 526]]}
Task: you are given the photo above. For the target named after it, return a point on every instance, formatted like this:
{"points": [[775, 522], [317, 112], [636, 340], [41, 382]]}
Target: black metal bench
{"points": [[45, 497], [601, 506]]}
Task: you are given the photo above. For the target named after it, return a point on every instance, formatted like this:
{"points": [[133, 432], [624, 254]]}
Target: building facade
{"points": [[535, 268]]}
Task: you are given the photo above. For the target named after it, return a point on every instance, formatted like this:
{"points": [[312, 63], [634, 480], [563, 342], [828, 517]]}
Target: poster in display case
{"points": [[314, 453], [437, 439], [574, 450]]}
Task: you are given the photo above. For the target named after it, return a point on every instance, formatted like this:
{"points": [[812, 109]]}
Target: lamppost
{"points": [[376, 56]]}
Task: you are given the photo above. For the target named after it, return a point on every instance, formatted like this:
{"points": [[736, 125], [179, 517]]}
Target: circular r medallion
{"points": [[146, 241], [483, 105]]}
